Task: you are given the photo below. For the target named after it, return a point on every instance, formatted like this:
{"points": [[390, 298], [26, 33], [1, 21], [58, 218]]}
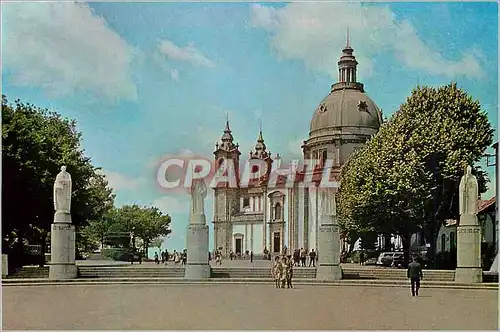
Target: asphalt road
{"points": [[237, 307]]}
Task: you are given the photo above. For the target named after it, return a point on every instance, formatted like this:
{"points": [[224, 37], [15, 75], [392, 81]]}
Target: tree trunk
{"points": [[44, 247], [387, 242], [405, 239], [431, 238]]}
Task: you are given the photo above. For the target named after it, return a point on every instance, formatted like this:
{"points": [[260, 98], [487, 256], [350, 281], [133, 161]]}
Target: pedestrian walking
{"points": [[312, 258], [414, 273], [283, 272], [157, 261], [251, 256], [289, 272], [184, 257], [302, 257], [276, 272], [361, 258]]}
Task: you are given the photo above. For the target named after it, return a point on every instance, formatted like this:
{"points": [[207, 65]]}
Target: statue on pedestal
{"points": [[328, 203], [468, 193], [62, 191], [198, 194]]}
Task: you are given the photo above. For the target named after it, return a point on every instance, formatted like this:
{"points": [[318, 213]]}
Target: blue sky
{"points": [[148, 79]]}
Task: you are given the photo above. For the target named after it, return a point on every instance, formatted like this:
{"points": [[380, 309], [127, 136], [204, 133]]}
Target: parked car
{"points": [[398, 261], [386, 258]]}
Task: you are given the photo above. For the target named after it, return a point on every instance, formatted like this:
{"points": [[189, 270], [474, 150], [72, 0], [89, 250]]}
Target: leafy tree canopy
{"points": [[142, 223], [35, 144], [406, 177]]}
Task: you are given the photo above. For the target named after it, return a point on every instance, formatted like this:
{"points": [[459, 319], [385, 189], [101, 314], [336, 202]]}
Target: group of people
{"points": [[176, 257], [282, 271], [300, 257], [217, 255]]}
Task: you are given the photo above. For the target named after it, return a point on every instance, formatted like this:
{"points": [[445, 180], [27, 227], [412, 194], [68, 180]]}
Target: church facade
{"points": [[258, 217]]}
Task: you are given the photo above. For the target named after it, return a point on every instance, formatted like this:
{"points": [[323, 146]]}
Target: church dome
{"points": [[346, 108], [347, 105]]}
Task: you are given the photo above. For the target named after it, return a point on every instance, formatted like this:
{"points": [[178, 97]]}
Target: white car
{"points": [[386, 258]]}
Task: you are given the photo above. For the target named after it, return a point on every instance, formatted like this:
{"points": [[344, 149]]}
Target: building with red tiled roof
{"points": [[486, 214]]}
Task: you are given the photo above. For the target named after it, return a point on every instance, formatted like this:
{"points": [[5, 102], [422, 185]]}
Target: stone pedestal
{"points": [[329, 249], [62, 258], [5, 265], [494, 266], [468, 250], [197, 266]]}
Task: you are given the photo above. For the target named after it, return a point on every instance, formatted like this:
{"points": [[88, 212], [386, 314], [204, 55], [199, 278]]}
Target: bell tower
{"points": [[225, 196]]}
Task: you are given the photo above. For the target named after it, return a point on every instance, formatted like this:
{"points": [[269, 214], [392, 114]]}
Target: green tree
{"points": [[157, 243], [152, 224], [406, 177], [36, 143], [145, 223]]}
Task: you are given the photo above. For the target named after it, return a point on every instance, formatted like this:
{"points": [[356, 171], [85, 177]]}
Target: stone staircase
{"points": [[395, 274], [130, 272], [31, 272], [162, 272], [259, 272]]}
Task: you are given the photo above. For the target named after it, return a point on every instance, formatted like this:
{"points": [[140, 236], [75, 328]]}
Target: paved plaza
{"points": [[236, 307]]}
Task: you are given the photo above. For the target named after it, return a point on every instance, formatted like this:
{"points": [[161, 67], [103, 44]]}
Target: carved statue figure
{"points": [[62, 191], [328, 203], [198, 194], [468, 193]]}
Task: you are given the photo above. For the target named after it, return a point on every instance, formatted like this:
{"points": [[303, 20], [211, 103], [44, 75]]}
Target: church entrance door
{"points": [[277, 242], [238, 246]]}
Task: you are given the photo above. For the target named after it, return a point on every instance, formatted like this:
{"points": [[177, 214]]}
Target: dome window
{"points": [[362, 106], [322, 108]]}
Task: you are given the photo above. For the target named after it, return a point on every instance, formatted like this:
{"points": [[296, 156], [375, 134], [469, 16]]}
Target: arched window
{"points": [[452, 240], [277, 211], [324, 156], [443, 242]]}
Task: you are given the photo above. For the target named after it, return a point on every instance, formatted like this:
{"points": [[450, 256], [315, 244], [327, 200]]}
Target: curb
{"points": [[253, 281]]}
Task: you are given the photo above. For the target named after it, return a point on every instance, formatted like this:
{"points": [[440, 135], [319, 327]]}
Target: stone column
{"points": [[62, 251], [328, 239], [264, 221], [468, 233], [62, 235], [197, 266], [5, 265]]}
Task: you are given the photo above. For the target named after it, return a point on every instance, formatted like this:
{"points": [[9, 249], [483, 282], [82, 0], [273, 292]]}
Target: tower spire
{"points": [[347, 63], [227, 123]]}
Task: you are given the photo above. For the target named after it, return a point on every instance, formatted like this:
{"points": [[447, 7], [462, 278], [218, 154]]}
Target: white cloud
{"points": [[188, 54], [118, 181], [169, 204], [295, 148], [174, 74], [316, 32], [65, 47]]}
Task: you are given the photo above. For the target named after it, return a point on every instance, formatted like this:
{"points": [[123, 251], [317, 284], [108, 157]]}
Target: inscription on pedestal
{"points": [[328, 229], [62, 227], [468, 230]]}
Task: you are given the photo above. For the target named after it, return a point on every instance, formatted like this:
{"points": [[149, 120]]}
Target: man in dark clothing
{"points": [[415, 274], [312, 258]]}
